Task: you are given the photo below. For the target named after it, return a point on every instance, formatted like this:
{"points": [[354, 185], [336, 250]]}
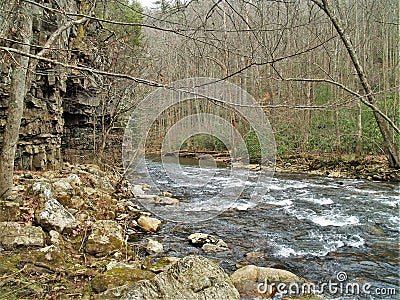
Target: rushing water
{"points": [[313, 226]]}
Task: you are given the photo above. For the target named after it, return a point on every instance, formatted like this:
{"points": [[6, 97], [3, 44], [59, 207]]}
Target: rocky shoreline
{"points": [[369, 167], [79, 233]]}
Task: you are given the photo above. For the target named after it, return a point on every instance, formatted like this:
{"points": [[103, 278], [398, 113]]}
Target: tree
{"points": [[392, 150], [292, 58], [22, 25]]}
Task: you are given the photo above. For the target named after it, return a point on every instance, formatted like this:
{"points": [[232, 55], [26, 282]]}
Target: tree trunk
{"points": [[16, 101], [359, 129], [391, 148]]}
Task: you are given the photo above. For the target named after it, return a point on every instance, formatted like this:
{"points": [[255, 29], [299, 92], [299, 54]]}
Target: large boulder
{"points": [[13, 234], [118, 277], [106, 237], [253, 281], [192, 277]]}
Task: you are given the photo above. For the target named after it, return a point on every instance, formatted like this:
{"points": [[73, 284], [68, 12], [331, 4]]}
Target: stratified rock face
{"points": [[42, 124], [192, 277], [106, 237], [13, 234]]}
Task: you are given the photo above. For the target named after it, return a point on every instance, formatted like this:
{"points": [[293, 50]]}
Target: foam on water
{"points": [[321, 201], [271, 200], [334, 220], [242, 205], [287, 251]]}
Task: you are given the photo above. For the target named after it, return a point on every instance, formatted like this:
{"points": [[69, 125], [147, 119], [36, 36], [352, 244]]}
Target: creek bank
{"points": [[79, 233], [370, 167]]}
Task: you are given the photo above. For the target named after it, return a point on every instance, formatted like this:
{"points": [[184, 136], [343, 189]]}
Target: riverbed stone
{"points": [[192, 277], [162, 264], [13, 234], [208, 242], [106, 237], [154, 246], [149, 224], [214, 248], [200, 239], [247, 280]]}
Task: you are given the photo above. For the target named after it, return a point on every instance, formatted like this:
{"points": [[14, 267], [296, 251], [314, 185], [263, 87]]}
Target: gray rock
{"points": [[154, 199], [213, 248], [51, 253], [62, 187], [55, 238], [192, 277], [13, 234], [54, 216], [51, 215], [137, 190], [106, 237], [74, 180], [200, 239], [113, 264]]}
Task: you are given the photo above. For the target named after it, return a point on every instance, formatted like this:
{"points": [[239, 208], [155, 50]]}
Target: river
{"points": [[313, 226]]}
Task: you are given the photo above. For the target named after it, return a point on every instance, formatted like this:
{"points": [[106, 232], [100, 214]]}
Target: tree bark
{"points": [[16, 101], [391, 148]]}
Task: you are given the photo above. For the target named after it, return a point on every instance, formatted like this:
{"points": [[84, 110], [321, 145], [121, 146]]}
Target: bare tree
{"points": [[391, 148], [19, 69]]}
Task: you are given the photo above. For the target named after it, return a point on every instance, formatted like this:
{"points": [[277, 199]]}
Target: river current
{"points": [[316, 227]]}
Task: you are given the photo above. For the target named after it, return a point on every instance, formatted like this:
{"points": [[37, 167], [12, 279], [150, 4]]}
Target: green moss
{"points": [[9, 264], [99, 250], [118, 277]]}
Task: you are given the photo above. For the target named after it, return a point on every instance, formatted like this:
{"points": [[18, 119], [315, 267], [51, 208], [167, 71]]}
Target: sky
{"points": [[146, 3]]}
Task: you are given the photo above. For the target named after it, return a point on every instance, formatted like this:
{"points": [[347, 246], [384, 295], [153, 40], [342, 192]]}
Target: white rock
{"points": [[154, 246], [74, 180], [137, 190], [54, 215], [55, 238]]}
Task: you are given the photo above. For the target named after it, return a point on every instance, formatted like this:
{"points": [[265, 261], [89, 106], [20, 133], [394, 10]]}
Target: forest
{"points": [[308, 89]]}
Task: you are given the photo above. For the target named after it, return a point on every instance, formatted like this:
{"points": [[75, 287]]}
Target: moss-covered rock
{"points": [[105, 238], [118, 277], [192, 277]]}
